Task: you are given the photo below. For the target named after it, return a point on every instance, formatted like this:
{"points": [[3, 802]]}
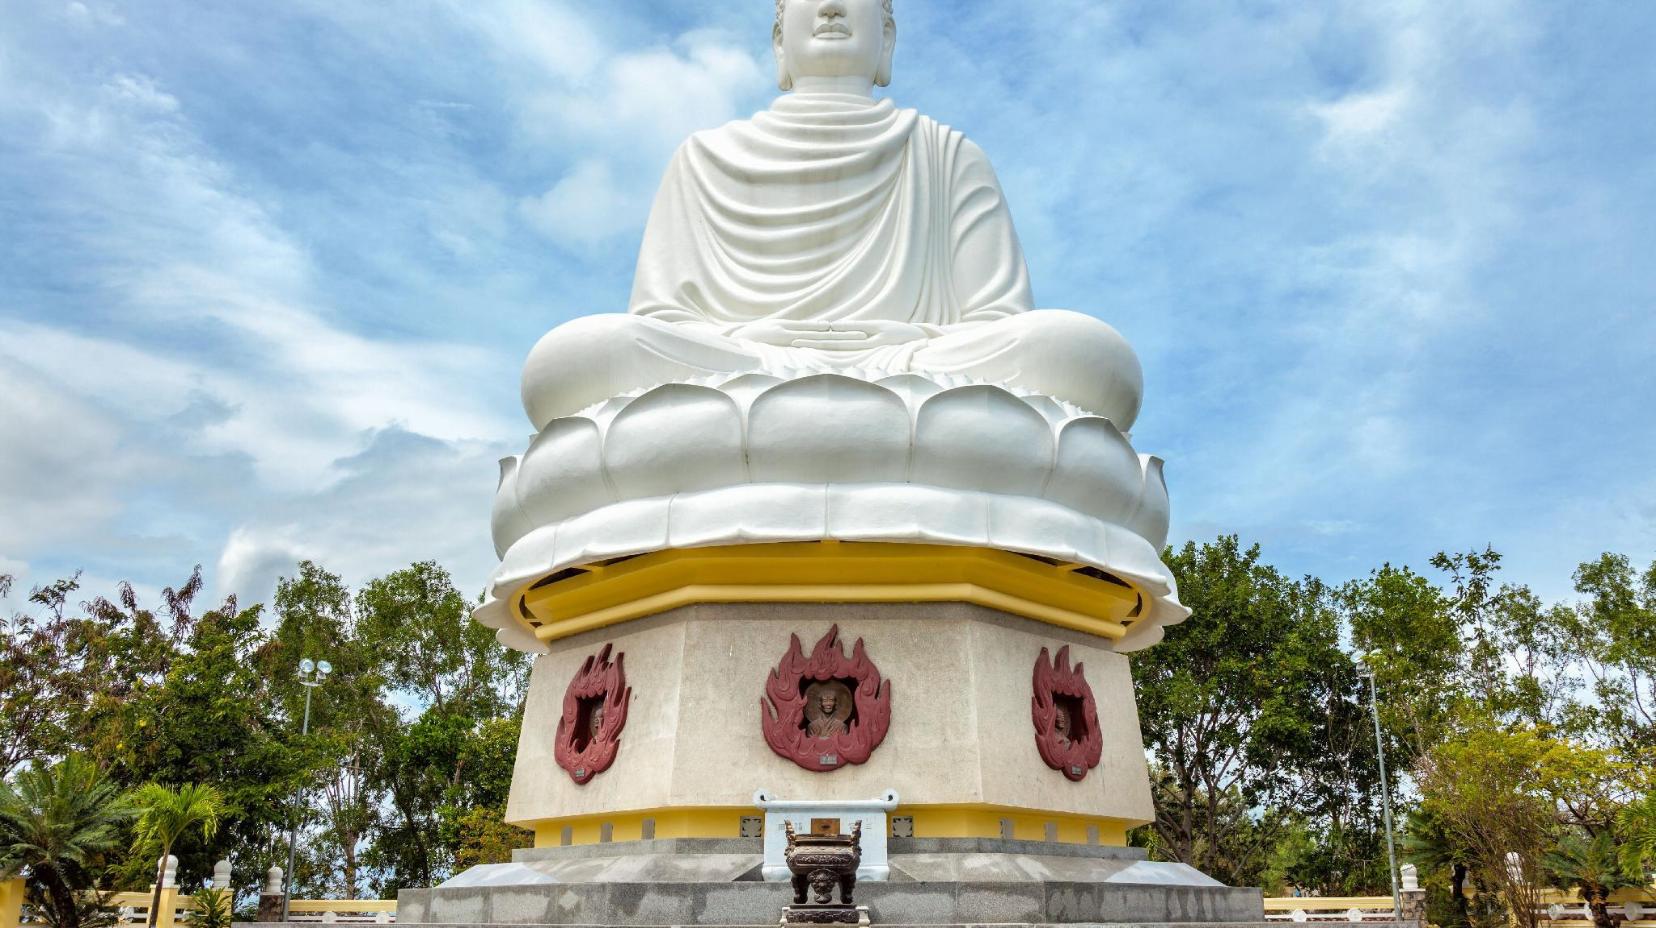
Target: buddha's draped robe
{"points": [[832, 209]]}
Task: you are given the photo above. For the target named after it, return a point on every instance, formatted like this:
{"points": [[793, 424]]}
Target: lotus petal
{"points": [[674, 439], [507, 519], [1154, 511], [828, 429], [913, 388], [982, 438], [562, 475], [745, 388], [1098, 472], [1049, 408]]}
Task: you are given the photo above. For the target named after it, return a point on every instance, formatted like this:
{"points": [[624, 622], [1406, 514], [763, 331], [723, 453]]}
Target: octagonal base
{"points": [[960, 749]]}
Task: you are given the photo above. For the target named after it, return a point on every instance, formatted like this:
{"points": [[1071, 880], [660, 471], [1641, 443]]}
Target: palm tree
{"points": [[1429, 844], [54, 823], [166, 816], [1637, 824], [1593, 865]]}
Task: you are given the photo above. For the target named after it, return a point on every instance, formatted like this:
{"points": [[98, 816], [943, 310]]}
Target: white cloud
{"points": [[60, 458], [404, 497], [140, 91], [1358, 120], [622, 125], [543, 40], [1363, 249], [583, 208]]}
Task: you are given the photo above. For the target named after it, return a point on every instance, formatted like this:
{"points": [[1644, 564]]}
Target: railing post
{"points": [[166, 904], [167, 912], [1414, 897], [11, 902], [271, 899]]}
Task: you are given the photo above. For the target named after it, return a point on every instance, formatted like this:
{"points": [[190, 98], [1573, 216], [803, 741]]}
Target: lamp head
{"points": [[307, 665]]}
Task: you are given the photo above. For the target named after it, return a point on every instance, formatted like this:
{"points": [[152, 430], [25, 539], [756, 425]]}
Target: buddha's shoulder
{"points": [[774, 121], [883, 125]]}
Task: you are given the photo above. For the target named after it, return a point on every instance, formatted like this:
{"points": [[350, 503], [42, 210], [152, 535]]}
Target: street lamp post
{"points": [[1385, 795], [311, 675]]}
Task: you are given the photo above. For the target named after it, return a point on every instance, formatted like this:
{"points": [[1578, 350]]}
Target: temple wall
{"points": [[961, 738]]}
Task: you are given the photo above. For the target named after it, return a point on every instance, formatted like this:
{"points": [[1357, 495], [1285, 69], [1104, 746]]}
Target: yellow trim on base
{"points": [[930, 821], [11, 902], [984, 821], [597, 596], [685, 822]]}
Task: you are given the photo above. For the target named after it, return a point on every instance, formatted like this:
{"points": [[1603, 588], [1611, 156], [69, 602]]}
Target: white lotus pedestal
{"points": [[826, 587], [933, 543]]}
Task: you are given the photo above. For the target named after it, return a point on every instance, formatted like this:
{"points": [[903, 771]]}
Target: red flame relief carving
{"points": [[594, 712], [1066, 717], [798, 679]]}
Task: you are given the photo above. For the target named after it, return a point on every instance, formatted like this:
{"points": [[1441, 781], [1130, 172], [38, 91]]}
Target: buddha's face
{"points": [[827, 702], [821, 40]]}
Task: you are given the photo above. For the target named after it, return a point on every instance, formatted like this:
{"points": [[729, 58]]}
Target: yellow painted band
{"points": [[683, 822], [11, 900], [830, 572], [930, 821], [322, 906]]}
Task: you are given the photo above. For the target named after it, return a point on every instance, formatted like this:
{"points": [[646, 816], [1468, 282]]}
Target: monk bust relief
{"points": [[827, 709], [832, 231]]}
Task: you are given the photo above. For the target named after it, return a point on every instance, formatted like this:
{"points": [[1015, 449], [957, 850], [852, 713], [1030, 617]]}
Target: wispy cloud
{"points": [[266, 281]]}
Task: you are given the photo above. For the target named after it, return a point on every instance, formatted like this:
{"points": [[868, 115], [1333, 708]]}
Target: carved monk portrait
{"points": [[1061, 724], [832, 232], [827, 709]]}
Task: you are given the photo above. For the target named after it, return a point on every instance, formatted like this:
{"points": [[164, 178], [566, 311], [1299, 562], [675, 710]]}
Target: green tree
{"points": [[430, 647], [1594, 866], [56, 824], [214, 719], [33, 710], [1251, 704], [1500, 793], [166, 816], [1637, 825], [316, 618], [1614, 632], [1432, 845], [1409, 635], [447, 758]]}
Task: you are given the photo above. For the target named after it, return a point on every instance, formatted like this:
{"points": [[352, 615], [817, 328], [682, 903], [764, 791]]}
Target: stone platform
{"points": [[934, 881]]}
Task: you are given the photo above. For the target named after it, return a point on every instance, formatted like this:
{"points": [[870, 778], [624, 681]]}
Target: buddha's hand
{"points": [[785, 333], [861, 334]]}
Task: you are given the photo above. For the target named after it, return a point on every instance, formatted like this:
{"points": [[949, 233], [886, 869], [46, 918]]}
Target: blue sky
{"points": [[268, 271]]}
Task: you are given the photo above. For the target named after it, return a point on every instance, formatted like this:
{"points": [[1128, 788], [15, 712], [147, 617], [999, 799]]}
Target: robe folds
{"points": [[830, 208]]}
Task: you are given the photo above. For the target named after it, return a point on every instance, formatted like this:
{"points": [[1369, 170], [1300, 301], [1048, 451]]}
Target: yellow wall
{"points": [[963, 821], [831, 572], [11, 902]]}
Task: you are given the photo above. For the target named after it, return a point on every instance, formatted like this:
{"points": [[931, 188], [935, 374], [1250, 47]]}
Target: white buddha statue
{"points": [[833, 231]]}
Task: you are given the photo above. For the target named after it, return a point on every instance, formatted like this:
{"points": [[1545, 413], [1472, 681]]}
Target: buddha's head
{"points": [[833, 43]]}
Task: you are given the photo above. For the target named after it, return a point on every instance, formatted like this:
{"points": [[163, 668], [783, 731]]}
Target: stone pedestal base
{"points": [[270, 907], [961, 749], [933, 882]]}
